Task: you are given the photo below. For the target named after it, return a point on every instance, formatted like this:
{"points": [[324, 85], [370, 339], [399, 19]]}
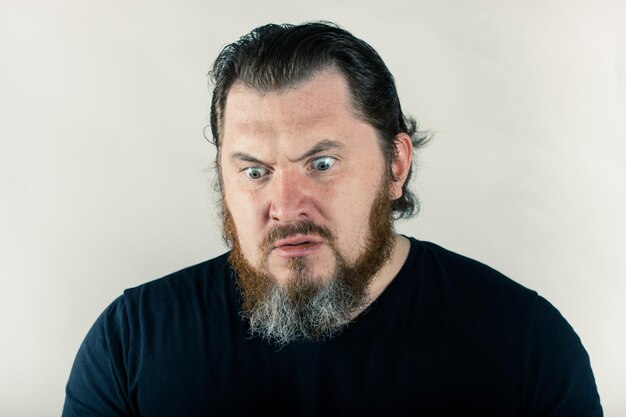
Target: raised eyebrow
{"points": [[320, 146]]}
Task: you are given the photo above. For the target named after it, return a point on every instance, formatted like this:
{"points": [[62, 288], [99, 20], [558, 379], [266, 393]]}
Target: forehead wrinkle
{"points": [[296, 119]]}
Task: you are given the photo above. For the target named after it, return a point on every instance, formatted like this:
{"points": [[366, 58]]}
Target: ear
{"points": [[401, 164]]}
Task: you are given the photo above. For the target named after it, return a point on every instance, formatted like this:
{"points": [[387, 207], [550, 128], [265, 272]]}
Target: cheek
{"points": [[350, 220], [245, 217], [235, 198]]}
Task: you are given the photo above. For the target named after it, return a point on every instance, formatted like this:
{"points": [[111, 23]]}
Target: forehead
{"points": [[324, 100]]}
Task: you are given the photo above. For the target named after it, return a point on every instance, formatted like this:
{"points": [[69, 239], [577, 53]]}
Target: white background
{"points": [[105, 178]]}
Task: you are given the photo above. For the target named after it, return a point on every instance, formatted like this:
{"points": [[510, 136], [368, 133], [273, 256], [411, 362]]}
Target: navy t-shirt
{"points": [[448, 336]]}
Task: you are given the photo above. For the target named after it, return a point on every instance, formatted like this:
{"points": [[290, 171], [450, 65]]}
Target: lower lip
{"points": [[305, 249]]}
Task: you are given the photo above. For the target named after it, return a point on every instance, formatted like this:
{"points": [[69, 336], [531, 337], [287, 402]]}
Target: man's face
{"points": [[302, 176]]}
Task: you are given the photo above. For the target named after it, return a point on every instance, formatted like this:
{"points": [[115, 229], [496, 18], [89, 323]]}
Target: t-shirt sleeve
{"points": [[98, 383], [559, 379]]}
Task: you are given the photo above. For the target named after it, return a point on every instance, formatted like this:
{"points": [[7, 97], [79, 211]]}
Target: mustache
{"points": [[303, 227]]}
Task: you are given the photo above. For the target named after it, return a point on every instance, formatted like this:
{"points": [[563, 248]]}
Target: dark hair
{"points": [[277, 56]]}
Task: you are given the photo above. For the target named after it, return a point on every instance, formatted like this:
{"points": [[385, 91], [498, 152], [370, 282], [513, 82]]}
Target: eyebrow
{"points": [[320, 146]]}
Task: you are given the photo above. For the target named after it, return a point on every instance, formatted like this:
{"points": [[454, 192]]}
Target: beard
{"points": [[307, 307]]}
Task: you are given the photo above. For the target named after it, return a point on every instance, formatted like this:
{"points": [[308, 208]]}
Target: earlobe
{"points": [[401, 164]]}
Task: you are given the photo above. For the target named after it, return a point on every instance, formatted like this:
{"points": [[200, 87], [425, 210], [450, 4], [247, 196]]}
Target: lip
{"points": [[299, 245]]}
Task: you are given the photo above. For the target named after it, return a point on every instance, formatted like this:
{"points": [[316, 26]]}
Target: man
{"points": [[320, 308]]}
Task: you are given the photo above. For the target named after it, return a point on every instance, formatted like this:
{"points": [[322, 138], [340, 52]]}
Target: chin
{"points": [[303, 269]]}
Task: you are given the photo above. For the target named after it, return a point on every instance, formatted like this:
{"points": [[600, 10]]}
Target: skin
{"points": [[303, 153]]}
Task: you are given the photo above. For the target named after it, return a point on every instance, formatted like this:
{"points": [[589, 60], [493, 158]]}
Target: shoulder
{"points": [[457, 273], [190, 288], [471, 298], [497, 319], [205, 274]]}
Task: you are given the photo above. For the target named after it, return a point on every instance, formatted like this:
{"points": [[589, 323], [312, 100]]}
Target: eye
{"points": [[323, 163], [255, 173]]}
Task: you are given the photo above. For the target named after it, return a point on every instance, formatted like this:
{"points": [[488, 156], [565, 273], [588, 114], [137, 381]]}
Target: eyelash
{"points": [[329, 160], [248, 170]]}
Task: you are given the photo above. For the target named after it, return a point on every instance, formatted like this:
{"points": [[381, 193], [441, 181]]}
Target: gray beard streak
{"points": [[281, 320]]}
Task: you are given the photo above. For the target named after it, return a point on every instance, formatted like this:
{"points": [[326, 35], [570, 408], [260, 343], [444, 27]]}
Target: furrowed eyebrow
{"points": [[242, 156], [321, 146]]}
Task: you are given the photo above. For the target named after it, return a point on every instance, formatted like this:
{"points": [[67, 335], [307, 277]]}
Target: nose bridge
{"points": [[288, 196]]}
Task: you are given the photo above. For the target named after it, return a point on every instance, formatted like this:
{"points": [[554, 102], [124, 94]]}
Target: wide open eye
{"points": [[256, 173], [323, 163]]}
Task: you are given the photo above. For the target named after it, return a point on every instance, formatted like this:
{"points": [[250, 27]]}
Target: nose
{"points": [[289, 196]]}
